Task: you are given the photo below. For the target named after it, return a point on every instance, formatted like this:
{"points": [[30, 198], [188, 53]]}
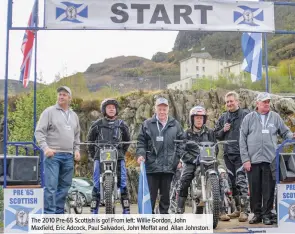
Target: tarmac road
{"points": [[232, 226]]}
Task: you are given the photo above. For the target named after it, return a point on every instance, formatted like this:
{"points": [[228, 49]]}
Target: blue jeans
{"points": [[58, 174]]}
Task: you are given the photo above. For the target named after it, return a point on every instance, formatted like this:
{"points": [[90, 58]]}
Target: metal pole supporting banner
{"points": [[9, 24], [266, 62], [35, 68]]}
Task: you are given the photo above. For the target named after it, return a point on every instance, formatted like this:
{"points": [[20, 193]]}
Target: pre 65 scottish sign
{"points": [[19, 203]]}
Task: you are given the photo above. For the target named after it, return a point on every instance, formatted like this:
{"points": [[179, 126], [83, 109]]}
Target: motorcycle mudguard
{"points": [[211, 172]]}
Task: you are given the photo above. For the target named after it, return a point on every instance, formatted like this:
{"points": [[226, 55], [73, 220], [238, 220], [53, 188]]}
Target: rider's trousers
{"points": [[236, 174], [186, 178], [122, 183]]}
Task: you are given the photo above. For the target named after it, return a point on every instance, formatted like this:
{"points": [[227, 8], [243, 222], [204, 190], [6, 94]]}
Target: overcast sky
{"points": [[68, 52]]}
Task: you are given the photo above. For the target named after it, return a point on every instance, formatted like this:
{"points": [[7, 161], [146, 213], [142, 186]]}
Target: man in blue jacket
{"points": [[258, 143]]}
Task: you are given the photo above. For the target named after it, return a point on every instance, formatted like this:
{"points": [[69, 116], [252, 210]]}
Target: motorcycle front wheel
{"points": [[108, 194], [213, 197]]}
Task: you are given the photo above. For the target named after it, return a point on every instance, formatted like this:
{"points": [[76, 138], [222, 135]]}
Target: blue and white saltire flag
{"points": [[144, 198], [252, 51]]}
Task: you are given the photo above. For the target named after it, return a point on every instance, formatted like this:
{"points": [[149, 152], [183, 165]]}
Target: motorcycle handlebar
{"points": [[98, 144], [199, 143]]}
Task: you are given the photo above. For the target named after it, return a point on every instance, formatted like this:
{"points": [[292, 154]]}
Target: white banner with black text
{"points": [[160, 15]]}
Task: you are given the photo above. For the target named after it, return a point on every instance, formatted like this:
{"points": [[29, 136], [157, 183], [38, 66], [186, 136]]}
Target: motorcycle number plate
{"points": [[108, 156]]}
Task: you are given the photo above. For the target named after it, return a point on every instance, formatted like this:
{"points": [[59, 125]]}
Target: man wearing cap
{"points": [[58, 135], [258, 143], [157, 149]]}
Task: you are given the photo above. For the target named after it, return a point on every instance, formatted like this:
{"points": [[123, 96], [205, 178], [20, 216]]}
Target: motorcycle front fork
{"points": [[204, 197]]}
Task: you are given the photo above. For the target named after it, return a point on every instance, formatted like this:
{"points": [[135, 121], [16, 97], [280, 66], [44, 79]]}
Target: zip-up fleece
{"points": [[55, 132], [257, 146]]}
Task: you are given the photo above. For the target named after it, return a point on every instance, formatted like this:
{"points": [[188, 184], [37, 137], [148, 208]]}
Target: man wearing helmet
{"points": [[198, 132], [109, 129]]}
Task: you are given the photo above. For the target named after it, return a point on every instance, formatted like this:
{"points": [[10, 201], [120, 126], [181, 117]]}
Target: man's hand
{"points": [[247, 165], [140, 159], [77, 156], [293, 134], [179, 165], [226, 127], [49, 152]]}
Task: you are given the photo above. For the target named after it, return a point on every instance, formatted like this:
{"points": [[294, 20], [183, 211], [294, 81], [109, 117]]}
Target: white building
{"points": [[200, 65]]}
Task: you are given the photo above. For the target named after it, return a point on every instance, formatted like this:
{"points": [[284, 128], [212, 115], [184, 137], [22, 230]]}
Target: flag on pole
{"points": [[143, 199], [252, 50], [27, 47]]}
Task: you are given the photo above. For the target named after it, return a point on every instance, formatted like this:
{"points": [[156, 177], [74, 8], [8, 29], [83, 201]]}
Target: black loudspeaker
{"points": [[21, 170], [287, 167]]}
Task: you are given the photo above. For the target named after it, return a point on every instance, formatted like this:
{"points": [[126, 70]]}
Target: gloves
{"points": [[196, 160]]}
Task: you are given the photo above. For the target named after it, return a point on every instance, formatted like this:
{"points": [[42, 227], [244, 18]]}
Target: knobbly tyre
{"points": [[205, 188], [228, 201], [73, 200], [109, 191], [173, 191]]}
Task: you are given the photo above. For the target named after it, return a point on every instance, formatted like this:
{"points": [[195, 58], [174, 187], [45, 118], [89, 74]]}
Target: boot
{"points": [[244, 211], [237, 206], [94, 206], [180, 205], [224, 217], [125, 206]]}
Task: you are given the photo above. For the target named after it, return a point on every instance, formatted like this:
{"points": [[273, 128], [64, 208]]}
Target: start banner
{"points": [[160, 15]]}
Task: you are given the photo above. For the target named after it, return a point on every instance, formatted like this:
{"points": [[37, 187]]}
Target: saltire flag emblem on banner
{"points": [[27, 48], [144, 198], [72, 12], [248, 15]]}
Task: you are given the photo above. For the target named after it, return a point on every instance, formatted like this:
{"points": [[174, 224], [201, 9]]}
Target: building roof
{"points": [[206, 55]]}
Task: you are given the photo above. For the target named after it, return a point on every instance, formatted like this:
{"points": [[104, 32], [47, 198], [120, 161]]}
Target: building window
{"points": [[221, 63], [186, 85], [221, 70], [197, 68], [203, 60], [203, 69], [197, 60], [226, 63], [180, 87], [198, 75]]}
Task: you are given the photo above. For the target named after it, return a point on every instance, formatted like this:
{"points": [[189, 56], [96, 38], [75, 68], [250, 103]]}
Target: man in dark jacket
{"points": [[228, 128], [157, 149], [109, 130]]}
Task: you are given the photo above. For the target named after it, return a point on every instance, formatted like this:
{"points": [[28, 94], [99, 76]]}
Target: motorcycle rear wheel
{"points": [[79, 205]]}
